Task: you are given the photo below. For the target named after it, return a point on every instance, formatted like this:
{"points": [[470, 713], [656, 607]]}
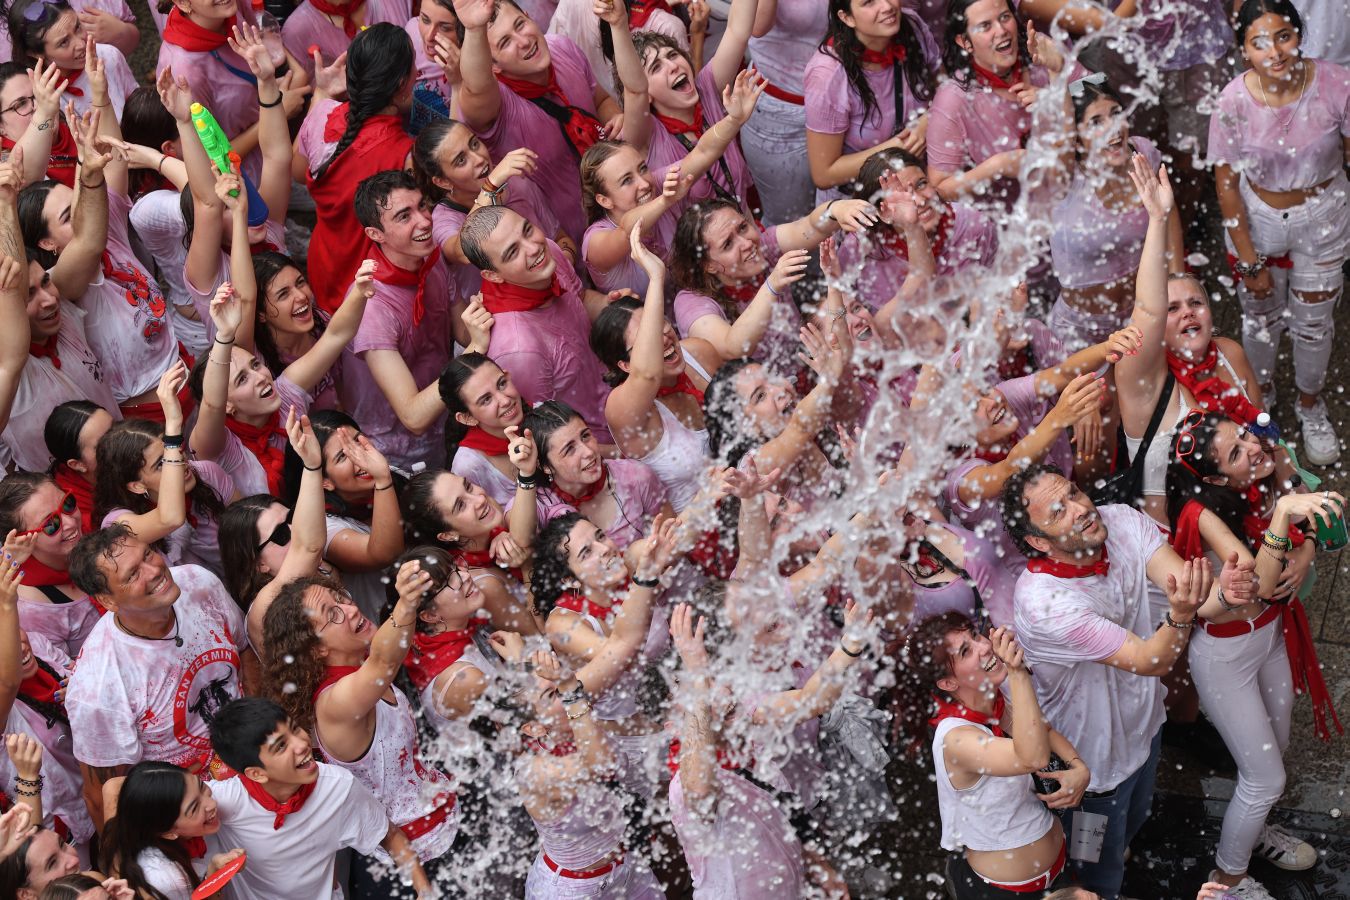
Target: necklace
{"points": [[1293, 117], [177, 641]]}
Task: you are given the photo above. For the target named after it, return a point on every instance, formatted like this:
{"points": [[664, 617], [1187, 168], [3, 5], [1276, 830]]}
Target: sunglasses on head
{"points": [[51, 523], [40, 9], [281, 535]]}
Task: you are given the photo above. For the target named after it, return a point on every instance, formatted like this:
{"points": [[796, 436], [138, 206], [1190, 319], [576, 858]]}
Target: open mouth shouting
{"points": [[682, 84], [1006, 45], [532, 52], [302, 312], [307, 763], [990, 664], [421, 237], [484, 172]]}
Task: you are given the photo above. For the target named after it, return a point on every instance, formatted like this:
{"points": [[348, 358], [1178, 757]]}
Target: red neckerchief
{"points": [[1253, 523], [482, 559], [683, 385], [724, 759], [432, 654], [958, 710], [46, 350], [896, 243], [1061, 569], [397, 276], [263, 247], [331, 676], [488, 444], [997, 82], [641, 11], [67, 479], [181, 31], [1212, 393], [502, 296], [1016, 365], [893, 55], [590, 492], [194, 847], [582, 130], [675, 126], [61, 165], [562, 748], [39, 574], [258, 440], [43, 685], [744, 292], [713, 556], [267, 802], [992, 455], [582, 605], [70, 75], [346, 12]]}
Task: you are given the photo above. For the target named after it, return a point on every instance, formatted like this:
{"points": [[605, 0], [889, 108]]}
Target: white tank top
{"points": [[620, 700], [473, 658], [995, 813], [679, 458], [588, 831]]}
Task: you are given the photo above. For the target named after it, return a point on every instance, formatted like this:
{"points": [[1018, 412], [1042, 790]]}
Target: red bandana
{"points": [[581, 130], [683, 385], [937, 242], [61, 165], [997, 82], [725, 759], [482, 559], [581, 604], [744, 292], [641, 11], [70, 77], [267, 802], [195, 847], [563, 748], [46, 350], [590, 492], [488, 444], [39, 574], [181, 31], [1067, 569], [432, 654], [43, 686], [1211, 392], [675, 126], [258, 440], [958, 710], [502, 296], [397, 276], [263, 247], [347, 12], [892, 55], [67, 479], [331, 676]]}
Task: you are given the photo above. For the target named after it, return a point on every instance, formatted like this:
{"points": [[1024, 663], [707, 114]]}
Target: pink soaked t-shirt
{"points": [[1092, 245], [238, 461], [1292, 148], [194, 543], [548, 352], [628, 274], [474, 466], [43, 387], [66, 624], [520, 123], [873, 272], [425, 346], [987, 575], [1179, 34], [306, 27], [834, 107], [522, 196], [638, 494], [132, 699], [728, 178], [782, 55]]}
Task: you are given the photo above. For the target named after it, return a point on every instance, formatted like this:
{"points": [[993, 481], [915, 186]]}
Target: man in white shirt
{"points": [[289, 813], [1081, 614]]}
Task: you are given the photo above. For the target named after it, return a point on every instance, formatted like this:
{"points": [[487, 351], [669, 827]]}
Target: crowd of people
{"points": [[583, 447]]}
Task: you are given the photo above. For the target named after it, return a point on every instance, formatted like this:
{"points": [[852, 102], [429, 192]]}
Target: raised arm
{"points": [[274, 135], [637, 120], [11, 675], [318, 360], [208, 434], [82, 260], [1028, 749], [631, 405], [478, 97], [37, 139], [170, 510], [730, 53], [1120, 345], [14, 329], [524, 456], [352, 551], [108, 127], [417, 408], [1139, 378], [825, 685], [353, 698], [308, 532], [203, 256], [829, 360], [807, 232], [739, 338]]}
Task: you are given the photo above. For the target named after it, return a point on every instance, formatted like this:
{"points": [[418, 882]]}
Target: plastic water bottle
{"points": [[1265, 428]]}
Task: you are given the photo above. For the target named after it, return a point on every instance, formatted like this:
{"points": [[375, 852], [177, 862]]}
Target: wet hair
{"points": [[426, 153], [379, 64], [877, 166], [436, 563], [543, 421], [372, 195], [15, 491], [104, 544], [266, 267], [119, 459], [1251, 10], [61, 433], [596, 156], [148, 805], [1013, 506], [724, 414], [609, 337], [292, 669], [1089, 95], [552, 575], [30, 37], [689, 252], [422, 519], [145, 121], [14, 871], [842, 43], [239, 553], [32, 221], [241, 728], [1184, 484], [453, 378], [72, 887], [957, 61], [476, 231]]}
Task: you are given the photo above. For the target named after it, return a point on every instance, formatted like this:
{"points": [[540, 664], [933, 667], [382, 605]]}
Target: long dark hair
{"points": [[238, 538], [542, 421], [422, 519], [1186, 478], [1251, 10], [29, 36], [266, 267], [552, 576], [15, 491], [724, 416], [61, 433], [120, 457], [842, 43], [145, 121], [438, 564], [326, 423], [425, 151], [920, 659], [379, 64], [608, 337], [957, 61], [148, 805], [32, 221], [453, 378], [69, 887]]}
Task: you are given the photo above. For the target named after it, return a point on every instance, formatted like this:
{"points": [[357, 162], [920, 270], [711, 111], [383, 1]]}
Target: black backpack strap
{"points": [[981, 613], [1153, 424]]}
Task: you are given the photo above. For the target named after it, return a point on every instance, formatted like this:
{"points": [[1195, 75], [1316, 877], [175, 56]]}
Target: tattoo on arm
{"points": [[43, 126]]}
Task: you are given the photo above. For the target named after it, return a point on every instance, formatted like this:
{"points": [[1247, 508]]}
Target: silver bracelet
{"points": [[1223, 601]]}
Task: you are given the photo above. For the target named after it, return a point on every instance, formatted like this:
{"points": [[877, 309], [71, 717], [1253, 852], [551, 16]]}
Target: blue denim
{"points": [[1126, 811]]}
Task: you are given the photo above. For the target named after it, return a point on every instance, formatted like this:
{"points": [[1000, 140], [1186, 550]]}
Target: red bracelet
{"points": [[490, 187]]}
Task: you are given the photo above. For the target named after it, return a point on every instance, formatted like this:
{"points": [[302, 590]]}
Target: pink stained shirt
{"points": [[425, 346], [67, 625], [201, 299], [306, 27], [131, 336], [520, 123], [874, 273], [1298, 146], [728, 178], [577, 20], [638, 494], [43, 387], [548, 352], [1092, 245], [990, 576], [1183, 33], [782, 55], [475, 467], [834, 107], [522, 195], [188, 543], [132, 699], [628, 274]]}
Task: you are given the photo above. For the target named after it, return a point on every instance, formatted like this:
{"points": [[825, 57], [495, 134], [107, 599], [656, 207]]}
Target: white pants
{"points": [[629, 880], [774, 144], [1246, 690], [1315, 235]]}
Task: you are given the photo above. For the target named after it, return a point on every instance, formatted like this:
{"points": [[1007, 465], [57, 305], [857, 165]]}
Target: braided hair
{"points": [[379, 64], [841, 42]]}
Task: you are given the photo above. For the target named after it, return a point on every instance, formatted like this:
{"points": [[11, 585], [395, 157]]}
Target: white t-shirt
{"points": [[132, 699], [1068, 625], [296, 860], [164, 875]]}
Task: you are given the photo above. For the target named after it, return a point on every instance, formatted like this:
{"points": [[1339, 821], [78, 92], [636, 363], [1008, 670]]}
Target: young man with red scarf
{"points": [[522, 89], [391, 371], [542, 314], [290, 813], [1082, 614]]}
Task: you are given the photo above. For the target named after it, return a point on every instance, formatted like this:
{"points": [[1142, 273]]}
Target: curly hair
{"points": [[920, 660], [292, 669], [689, 253], [842, 43], [552, 574], [436, 563]]}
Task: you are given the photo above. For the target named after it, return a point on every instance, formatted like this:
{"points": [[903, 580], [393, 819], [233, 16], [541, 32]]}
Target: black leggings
{"points": [[966, 885]]}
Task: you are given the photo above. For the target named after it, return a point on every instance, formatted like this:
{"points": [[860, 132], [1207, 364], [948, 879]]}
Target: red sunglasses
{"points": [[51, 523], [1187, 442]]}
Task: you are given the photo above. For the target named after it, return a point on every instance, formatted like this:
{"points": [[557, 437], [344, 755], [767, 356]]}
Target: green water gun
{"points": [[214, 141]]}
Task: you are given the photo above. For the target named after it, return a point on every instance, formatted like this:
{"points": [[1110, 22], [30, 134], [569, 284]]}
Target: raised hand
{"points": [[48, 87], [853, 214], [329, 80], [655, 554], [521, 450], [1323, 507], [229, 188], [479, 321], [1185, 595], [18, 547], [649, 261], [1079, 400], [688, 638], [95, 150], [95, 72], [789, 269], [739, 97], [547, 666], [746, 482], [170, 383], [899, 207], [822, 355], [247, 41], [507, 553], [1155, 190], [301, 435], [473, 13], [11, 178], [445, 53], [16, 827], [1007, 649], [611, 12], [25, 753], [829, 259], [227, 312], [857, 627], [11, 576], [412, 583], [365, 278], [1125, 342], [699, 13], [175, 95], [362, 452], [520, 161], [509, 645]]}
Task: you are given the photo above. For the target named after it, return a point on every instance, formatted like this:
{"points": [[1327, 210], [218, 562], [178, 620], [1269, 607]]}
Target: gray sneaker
{"points": [[1282, 849], [1320, 445]]}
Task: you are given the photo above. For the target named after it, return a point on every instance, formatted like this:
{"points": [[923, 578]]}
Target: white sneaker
{"points": [[1320, 445], [1282, 849], [1246, 889]]}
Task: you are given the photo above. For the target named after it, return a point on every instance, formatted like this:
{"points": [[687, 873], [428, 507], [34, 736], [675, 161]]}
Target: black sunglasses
{"points": [[281, 535]]}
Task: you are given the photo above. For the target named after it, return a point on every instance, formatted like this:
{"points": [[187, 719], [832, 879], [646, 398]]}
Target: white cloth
{"points": [[157, 219], [1067, 626], [1325, 35], [993, 813], [164, 875]]}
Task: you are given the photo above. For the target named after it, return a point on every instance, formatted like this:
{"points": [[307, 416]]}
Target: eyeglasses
{"points": [[336, 615], [24, 106], [281, 535], [1187, 442], [51, 523]]}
